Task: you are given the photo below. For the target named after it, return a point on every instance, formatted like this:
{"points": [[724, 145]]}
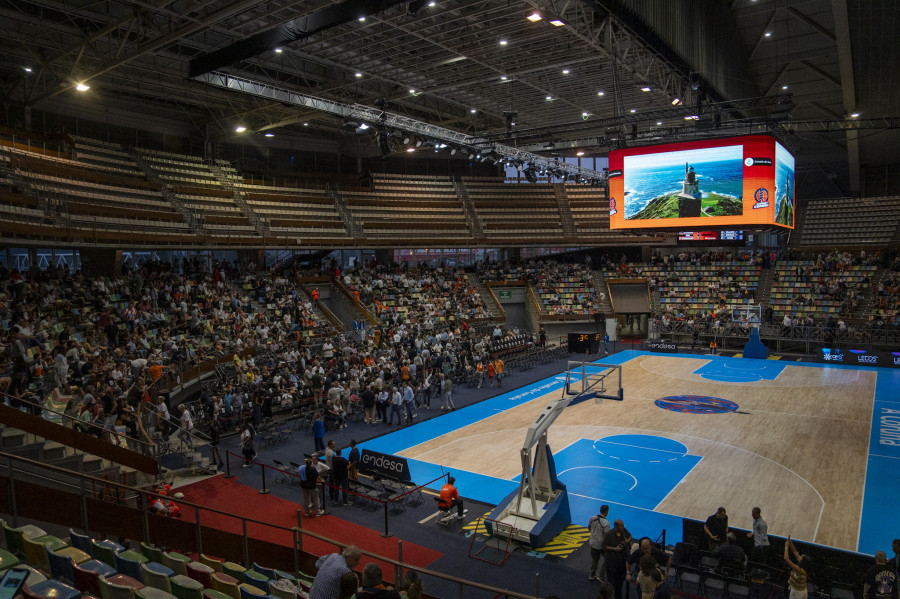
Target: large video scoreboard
{"points": [[737, 182]]}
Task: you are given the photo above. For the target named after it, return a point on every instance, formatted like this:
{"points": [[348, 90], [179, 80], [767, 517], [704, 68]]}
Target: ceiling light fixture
{"points": [[534, 17], [240, 129], [633, 110], [645, 89], [659, 122], [473, 110], [768, 34], [362, 19], [784, 87], [270, 135], [549, 98], [601, 93], [363, 126], [82, 87], [692, 117], [854, 115], [676, 102], [503, 78], [358, 75], [432, 4], [278, 50], [27, 69], [557, 22], [503, 42], [412, 91], [410, 149], [565, 71], [579, 153], [306, 124]]}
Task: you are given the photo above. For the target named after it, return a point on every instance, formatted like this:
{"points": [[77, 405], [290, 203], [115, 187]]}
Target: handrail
{"points": [[339, 285], [9, 458], [487, 286], [54, 432]]}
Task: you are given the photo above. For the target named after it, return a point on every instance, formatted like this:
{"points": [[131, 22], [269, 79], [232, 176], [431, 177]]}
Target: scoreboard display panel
{"points": [[585, 343]]}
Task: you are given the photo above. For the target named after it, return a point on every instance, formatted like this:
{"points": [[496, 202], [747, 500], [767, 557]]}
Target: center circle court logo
{"points": [[612, 205], [696, 404], [748, 161]]}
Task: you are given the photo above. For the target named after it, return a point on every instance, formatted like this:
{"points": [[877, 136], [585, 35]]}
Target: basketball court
{"points": [[812, 445]]}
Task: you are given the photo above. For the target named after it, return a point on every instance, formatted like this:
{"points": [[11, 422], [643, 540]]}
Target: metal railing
{"points": [[128, 506]]}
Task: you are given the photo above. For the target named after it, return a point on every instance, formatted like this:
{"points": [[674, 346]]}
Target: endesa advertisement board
{"points": [[738, 182]]}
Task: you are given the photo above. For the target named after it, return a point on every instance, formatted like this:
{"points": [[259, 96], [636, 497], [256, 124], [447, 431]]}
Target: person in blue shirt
{"points": [[606, 342], [319, 434]]}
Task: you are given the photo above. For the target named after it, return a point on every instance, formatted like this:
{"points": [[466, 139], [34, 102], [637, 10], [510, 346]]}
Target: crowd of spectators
{"points": [[115, 342], [562, 288]]}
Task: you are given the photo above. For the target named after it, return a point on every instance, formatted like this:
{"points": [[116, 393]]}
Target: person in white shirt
{"points": [[187, 426]]}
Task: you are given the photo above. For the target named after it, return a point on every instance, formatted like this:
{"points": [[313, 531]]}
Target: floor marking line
{"points": [[603, 468], [862, 502], [642, 447], [432, 516]]}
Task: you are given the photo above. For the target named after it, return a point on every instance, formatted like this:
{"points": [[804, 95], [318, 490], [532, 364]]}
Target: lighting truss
{"points": [[361, 113]]}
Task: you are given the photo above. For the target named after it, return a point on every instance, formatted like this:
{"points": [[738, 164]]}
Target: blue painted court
{"points": [[634, 473]]}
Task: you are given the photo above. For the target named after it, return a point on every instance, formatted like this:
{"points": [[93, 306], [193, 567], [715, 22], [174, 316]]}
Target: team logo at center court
{"points": [[761, 197], [696, 404], [612, 205]]}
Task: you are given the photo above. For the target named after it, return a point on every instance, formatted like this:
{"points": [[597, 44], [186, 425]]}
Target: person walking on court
{"points": [[598, 526], [760, 536]]}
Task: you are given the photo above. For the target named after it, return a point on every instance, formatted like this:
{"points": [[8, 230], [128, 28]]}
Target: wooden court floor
{"points": [[797, 446]]}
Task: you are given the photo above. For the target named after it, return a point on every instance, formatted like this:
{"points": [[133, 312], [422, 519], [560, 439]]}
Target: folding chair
{"points": [[281, 471]]}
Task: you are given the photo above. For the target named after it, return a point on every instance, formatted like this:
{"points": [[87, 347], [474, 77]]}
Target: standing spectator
{"points": [[598, 526], [329, 462], [353, 460], [368, 402], [617, 543], [716, 528], [309, 480], [319, 434], [340, 476], [446, 393], [247, 445], [409, 396], [330, 568], [799, 571], [187, 427], [215, 456], [498, 368], [881, 579], [760, 536], [396, 402]]}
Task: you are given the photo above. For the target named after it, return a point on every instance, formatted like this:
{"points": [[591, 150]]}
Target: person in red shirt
{"points": [[450, 497]]}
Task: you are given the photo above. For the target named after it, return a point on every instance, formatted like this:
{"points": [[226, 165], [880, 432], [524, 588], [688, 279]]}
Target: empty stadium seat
{"points": [[184, 587], [83, 542], [15, 536], [234, 570], [226, 584], [36, 550], [177, 562], [50, 589], [62, 561], [260, 581], [152, 593], [106, 551], [129, 562], [86, 576], [157, 575], [119, 586], [213, 562], [201, 573], [248, 591]]}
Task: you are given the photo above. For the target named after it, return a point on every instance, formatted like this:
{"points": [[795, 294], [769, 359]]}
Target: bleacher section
{"points": [[590, 208], [405, 207], [810, 292], [702, 288], [849, 222], [510, 212], [305, 212]]}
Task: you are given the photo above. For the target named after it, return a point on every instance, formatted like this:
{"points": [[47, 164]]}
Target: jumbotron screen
{"points": [[738, 181]]}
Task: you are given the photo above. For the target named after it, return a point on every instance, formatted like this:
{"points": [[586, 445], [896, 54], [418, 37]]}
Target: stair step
{"points": [[54, 450]]}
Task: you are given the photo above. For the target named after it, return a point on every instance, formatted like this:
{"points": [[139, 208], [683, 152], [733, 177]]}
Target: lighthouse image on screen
{"points": [[687, 183]]}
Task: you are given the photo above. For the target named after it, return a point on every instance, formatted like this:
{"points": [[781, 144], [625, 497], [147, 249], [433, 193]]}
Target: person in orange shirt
{"points": [[155, 370], [450, 497], [479, 367], [490, 373], [498, 367]]}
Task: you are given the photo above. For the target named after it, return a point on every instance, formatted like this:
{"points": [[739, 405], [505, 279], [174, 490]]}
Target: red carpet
{"points": [[231, 496]]}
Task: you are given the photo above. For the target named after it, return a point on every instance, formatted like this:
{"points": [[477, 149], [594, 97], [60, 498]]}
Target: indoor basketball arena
{"points": [[337, 299]]}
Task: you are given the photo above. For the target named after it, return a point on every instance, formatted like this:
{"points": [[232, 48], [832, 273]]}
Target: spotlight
{"points": [[453, 151], [471, 155], [82, 87], [534, 17], [419, 142], [240, 129]]}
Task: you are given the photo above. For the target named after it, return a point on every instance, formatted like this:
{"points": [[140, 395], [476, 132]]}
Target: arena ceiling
{"points": [[605, 75]]}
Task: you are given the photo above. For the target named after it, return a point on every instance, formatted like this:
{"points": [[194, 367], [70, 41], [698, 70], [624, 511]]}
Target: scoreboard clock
{"points": [[585, 343]]}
